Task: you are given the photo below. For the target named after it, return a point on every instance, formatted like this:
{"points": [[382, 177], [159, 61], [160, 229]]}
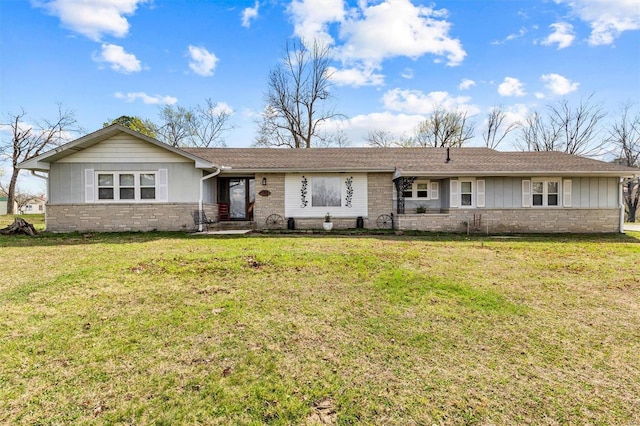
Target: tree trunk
{"points": [[11, 196], [19, 226]]}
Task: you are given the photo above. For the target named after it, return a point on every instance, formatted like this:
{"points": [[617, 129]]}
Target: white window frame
{"points": [[471, 181], [338, 179], [116, 186], [545, 192], [432, 190]]}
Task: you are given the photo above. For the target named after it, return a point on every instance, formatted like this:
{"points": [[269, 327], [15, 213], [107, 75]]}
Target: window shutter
{"points": [[163, 185], [566, 193], [526, 193], [89, 185], [454, 194], [435, 191], [480, 193]]}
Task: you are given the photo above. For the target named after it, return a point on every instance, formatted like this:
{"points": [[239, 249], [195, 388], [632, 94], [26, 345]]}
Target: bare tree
{"points": [[625, 135], [563, 128], [380, 139], [30, 141], [444, 128], [202, 126], [22, 198], [337, 139], [298, 89], [497, 130]]}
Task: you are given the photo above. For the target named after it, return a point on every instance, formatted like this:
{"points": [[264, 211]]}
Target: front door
{"points": [[241, 196]]}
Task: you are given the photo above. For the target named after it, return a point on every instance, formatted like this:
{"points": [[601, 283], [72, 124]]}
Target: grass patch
{"points": [[170, 329]]}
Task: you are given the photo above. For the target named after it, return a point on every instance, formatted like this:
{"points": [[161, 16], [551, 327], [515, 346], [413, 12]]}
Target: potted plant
{"points": [[421, 209], [327, 225]]}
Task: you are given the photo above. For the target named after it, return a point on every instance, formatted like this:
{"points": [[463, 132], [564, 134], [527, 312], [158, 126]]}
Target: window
{"points": [[326, 192], [466, 193], [422, 190], [126, 186], [545, 193]]}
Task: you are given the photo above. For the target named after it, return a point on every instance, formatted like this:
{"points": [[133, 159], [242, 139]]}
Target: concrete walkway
{"points": [[635, 227]]}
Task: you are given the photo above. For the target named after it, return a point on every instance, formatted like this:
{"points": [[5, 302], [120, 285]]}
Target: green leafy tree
{"points": [[146, 127]]}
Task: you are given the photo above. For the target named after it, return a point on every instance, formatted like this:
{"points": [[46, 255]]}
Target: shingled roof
{"points": [[408, 161]]}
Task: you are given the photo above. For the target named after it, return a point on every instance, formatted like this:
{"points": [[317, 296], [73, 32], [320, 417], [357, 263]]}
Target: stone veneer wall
{"points": [[274, 203], [516, 221], [123, 217], [380, 197]]}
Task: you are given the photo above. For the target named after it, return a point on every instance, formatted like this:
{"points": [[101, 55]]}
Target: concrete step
{"points": [[233, 224]]}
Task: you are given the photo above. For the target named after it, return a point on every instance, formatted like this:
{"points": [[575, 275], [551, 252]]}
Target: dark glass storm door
{"points": [[240, 195]]}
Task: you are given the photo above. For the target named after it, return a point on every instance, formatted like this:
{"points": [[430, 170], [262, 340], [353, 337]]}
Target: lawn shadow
{"points": [[46, 239]]}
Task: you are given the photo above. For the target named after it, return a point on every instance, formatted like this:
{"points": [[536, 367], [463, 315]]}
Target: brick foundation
{"points": [[516, 221], [123, 217]]}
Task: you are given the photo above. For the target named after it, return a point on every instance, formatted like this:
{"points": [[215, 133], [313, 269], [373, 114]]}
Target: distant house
{"points": [[3, 205], [116, 179], [35, 205]]}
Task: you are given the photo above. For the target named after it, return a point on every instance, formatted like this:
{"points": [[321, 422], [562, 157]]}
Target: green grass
{"points": [[170, 329]]}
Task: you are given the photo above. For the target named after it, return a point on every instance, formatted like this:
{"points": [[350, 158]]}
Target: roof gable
{"points": [[89, 142]]}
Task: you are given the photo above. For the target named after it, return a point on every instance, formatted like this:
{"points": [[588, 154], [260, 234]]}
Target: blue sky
{"points": [[395, 60]]}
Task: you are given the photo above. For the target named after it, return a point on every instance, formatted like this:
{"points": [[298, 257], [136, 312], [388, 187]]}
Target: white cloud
{"points": [[409, 30], [417, 102], [93, 18], [147, 99], [562, 35], [608, 18], [357, 127], [222, 107], [360, 44], [510, 37], [249, 14], [312, 17], [202, 61], [355, 77], [511, 87], [466, 84], [558, 85], [118, 59], [407, 73]]}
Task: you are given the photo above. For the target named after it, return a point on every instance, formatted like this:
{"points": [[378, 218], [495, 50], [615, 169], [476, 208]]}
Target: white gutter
{"points": [[201, 198]]}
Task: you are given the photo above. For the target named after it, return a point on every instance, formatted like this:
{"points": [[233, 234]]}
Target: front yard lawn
{"points": [[171, 329]]}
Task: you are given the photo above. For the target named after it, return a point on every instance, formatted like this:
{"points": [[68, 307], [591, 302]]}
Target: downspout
{"points": [[621, 198], [201, 198], [44, 178]]}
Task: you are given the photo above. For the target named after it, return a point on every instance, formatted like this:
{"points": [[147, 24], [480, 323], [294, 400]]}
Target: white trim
{"points": [[435, 190], [480, 193], [545, 192], [162, 185], [137, 186], [566, 192], [89, 185], [454, 193], [526, 193]]}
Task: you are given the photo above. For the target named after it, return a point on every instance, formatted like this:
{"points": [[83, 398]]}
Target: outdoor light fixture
{"points": [[264, 181]]}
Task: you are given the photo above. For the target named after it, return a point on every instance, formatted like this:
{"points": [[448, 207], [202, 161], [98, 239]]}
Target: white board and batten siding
{"points": [[124, 148], [353, 205]]}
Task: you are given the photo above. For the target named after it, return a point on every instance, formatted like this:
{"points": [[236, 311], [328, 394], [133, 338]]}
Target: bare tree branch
{"points": [[444, 129], [497, 130], [625, 135], [297, 90], [563, 128], [29, 141]]}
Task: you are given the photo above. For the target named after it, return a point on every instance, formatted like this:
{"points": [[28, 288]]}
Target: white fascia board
{"points": [[514, 174], [305, 170]]}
